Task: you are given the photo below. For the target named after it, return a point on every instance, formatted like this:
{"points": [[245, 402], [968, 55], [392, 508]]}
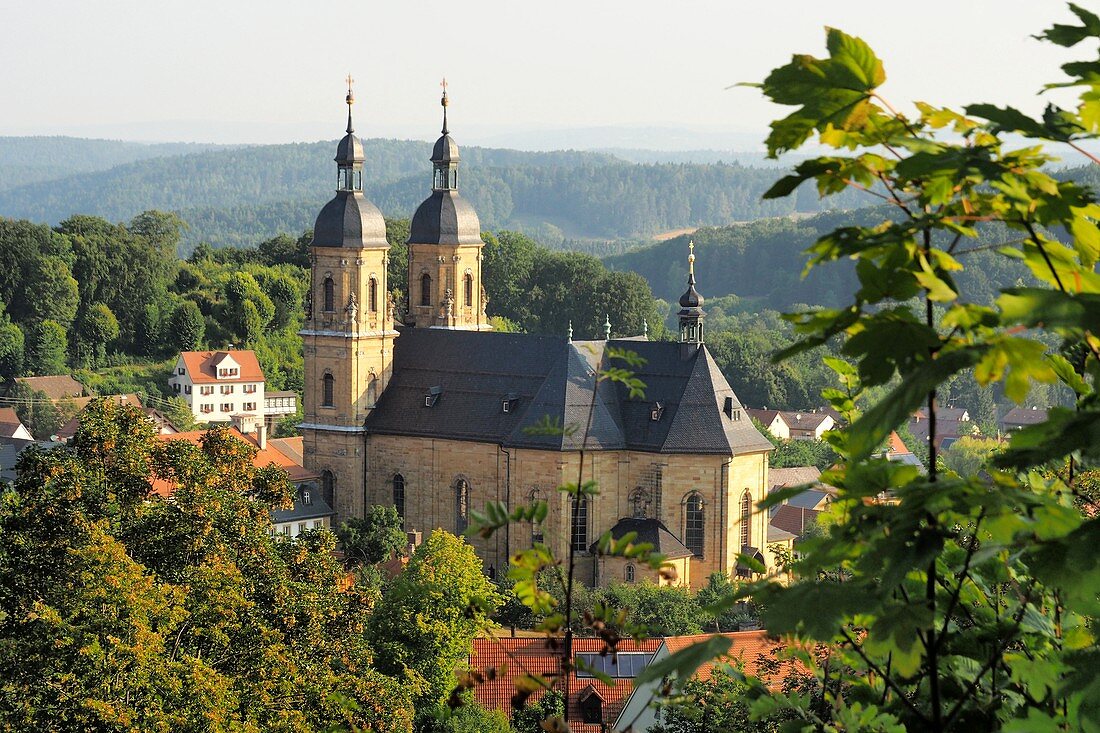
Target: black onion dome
{"points": [[445, 218], [350, 150], [445, 150], [691, 299], [349, 220]]}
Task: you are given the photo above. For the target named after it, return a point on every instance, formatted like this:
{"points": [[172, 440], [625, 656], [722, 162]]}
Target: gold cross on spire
{"points": [[351, 95], [691, 256], [444, 85]]}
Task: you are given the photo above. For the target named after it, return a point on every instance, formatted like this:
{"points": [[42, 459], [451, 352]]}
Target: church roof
{"points": [[549, 379], [445, 218], [651, 531], [350, 220]]}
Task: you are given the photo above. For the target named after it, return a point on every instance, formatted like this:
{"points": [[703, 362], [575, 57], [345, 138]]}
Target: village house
{"points": [[221, 385], [1022, 417], [11, 426], [794, 425]]}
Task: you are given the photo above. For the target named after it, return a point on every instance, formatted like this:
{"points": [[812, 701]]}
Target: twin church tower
{"points": [[426, 409]]}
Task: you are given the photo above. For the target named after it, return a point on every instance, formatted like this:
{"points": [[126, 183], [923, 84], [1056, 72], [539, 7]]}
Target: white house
{"points": [[219, 384], [773, 421], [807, 425]]}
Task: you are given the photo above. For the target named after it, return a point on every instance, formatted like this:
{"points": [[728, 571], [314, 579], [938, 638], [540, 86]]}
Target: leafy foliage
{"points": [[374, 538]]}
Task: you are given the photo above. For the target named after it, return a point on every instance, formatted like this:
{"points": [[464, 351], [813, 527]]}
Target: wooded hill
{"points": [[234, 196]]}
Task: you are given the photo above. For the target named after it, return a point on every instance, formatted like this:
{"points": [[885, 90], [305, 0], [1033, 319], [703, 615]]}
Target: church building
{"points": [[432, 412]]}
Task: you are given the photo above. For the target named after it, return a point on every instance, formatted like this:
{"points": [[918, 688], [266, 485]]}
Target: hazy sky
{"points": [[272, 71]]}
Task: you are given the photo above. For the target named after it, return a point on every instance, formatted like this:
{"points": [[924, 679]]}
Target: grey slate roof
{"points": [[553, 378], [315, 508], [445, 218], [349, 220], [652, 531]]}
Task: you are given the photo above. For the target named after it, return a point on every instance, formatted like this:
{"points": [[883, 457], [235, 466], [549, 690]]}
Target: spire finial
{"points": [[570, 332], [350, 99], [606, 327], [445, 103], [691, 257]]}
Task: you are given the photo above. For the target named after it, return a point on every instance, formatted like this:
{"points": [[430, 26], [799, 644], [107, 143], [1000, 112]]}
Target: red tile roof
{"points": [[520, 656], [746, 648], [895, 446], [9, 422], [200, 366], [263, 458], [793, 519]]}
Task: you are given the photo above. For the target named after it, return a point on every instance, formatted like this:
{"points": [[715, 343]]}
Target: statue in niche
{"points": [[391, 307], [484, 301], [447, 311], [352, 310]]}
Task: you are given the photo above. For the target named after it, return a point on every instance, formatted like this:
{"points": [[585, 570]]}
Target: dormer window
{"points": [[432, 397], [307, 498], [656, 412], [509, 403], [728, 407]]}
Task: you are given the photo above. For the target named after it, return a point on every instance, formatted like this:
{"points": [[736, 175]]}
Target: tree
{"points": [[968, 455], [663, 610], [11, 349], [36, 410], [720, 594], [179, 413], [287, 299], [186, 327], [427, 619], [375, 538], [51, 291], [95, 329], [962, 601], [46, 347], [529, 719]]}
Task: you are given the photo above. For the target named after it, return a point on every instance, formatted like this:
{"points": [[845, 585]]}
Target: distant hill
{"points": [[241, 195], [25, 160], [761, 263]]}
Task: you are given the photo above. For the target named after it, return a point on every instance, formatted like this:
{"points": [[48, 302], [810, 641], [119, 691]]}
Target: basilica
{"points": [[425, 408]]}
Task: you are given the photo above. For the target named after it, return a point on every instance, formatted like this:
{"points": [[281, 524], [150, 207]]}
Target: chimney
{"points": [[413, 543], [261, 435]]}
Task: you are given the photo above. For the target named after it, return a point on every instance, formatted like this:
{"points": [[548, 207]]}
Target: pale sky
{"points": [[272, 71]]}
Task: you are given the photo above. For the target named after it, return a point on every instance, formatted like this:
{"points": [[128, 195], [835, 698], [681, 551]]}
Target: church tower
{"points": [[444, 288], [691, 312], [348, 332]]}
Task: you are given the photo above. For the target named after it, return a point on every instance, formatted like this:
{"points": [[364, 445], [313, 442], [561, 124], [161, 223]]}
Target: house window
{"points": [[372, 295], [227, 407], [301, 527], [206, 408], [328, 488], [329, 295], [318, 524], [746, 520], [425, 289], [462, 505], [624, 665], [248, 406], [249, 389], [181, 370], [206, 390], [639, 503], [579, 532], [328, 384], [399, 496], [227, 389], [468, 289], [187, 389], [629, 575], [694, 524]]}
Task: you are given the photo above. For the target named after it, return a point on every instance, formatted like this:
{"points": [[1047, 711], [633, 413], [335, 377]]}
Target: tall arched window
{"points": [[694, 524], [329, 295], [629, 575], [372, 295], [328, 488], [425, 289], [462, 505], [468, 287], [399, 496], [746, 520], [579, 530], [533, 496], [639, 503], [328, 385]]}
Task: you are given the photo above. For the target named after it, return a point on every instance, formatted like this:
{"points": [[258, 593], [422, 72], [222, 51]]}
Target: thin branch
{"points": [[962, 576], [1082, 151], [885, 678]]}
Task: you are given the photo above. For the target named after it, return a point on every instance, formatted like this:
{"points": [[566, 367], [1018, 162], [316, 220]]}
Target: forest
{"points": [[234, 196]]}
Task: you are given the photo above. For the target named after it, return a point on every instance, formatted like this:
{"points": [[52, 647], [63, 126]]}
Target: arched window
{"points": [[329, 295], [746, 520], [629, 575], [534, 496], [425, 289], [372, 295], [694, 524], [399, 496], [328, 384], [639, 503], [328, 488], [462, 505], [468, 287], [579, 534]]}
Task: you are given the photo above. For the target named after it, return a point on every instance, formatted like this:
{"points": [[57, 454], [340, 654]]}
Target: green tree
{"points": [[529, 719], [45, 349], [968, 455], [186, 327], [663, 610], [51, 291], [287, 299], [36, 410], [95, 329], [507, 260], [179, 414], [375, 538], [423, 628], [12, 346], [964, 601]]}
